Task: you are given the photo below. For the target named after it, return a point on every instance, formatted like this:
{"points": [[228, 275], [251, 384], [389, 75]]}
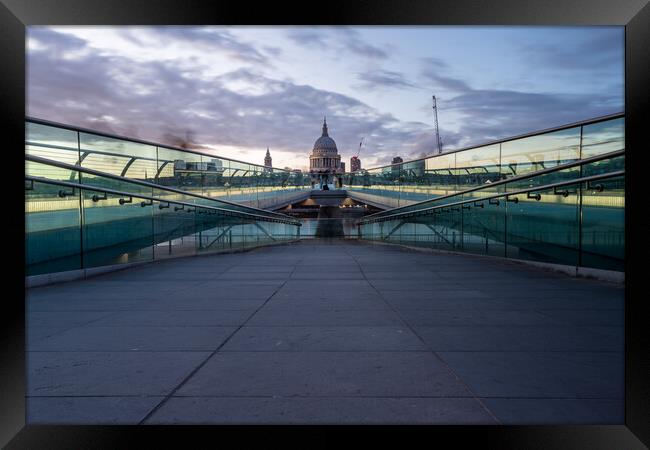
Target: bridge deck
{"points": [[337, 332]]}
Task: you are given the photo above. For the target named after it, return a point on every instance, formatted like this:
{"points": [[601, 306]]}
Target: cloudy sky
{"points": [[233, 91]]}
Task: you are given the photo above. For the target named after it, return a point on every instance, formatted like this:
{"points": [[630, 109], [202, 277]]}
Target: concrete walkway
{"points": [[336, 332]]}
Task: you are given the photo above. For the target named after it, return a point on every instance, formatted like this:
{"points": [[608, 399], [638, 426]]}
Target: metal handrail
{"points": [[137, 141], [498, 195], [577, 162], [513, 138], [131, 195], [39, 159], [94, 152], [133, 158]]}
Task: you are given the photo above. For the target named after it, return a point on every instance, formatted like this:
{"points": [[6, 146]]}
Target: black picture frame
{"points": [[633, 14]]}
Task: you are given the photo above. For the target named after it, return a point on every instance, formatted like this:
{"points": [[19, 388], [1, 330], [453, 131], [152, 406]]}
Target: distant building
{"points": [[324, 160], [215, 165], [395, 169], [355, 164], [342, 167], [324, 155], [268, 162]]}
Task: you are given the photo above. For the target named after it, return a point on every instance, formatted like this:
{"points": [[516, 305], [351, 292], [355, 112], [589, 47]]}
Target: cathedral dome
{"points": [[325, 144], [325, 157]]}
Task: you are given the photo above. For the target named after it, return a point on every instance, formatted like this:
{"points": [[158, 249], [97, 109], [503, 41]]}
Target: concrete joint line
{"points": [[407, 325], [204, 362]]}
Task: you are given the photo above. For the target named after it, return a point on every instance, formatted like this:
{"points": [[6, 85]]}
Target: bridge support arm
{"points": [[395, 228], [223, 233]]}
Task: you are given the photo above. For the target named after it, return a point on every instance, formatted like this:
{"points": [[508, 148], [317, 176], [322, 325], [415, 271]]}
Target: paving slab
{"points": [[62, 319], [540, 374], [208, 304], [469, 316], [400, 286], [390, 264], [326, 294], [226, 285], [327, 333], [92, 304], [530, 287], [317, 275], [562, 300], [433, 302], [347, 303], [328, 410], [140, 338], [110, 288], [266, 268], [321, 317], [443, 292], [541, 411], [614, 317], [326, 284], [192, 318], [411, 275], [229, 289], [182, 275], [34, 334], [108, 373], [88, 410], [244, 277], [520, 338], [524, 290], [390, 374], [352, 339], [495, 275], [97, 292]]}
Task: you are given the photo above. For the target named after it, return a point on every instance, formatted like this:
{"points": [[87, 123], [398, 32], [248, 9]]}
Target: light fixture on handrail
{"points": [[122, 201], [63, 193], [564, 193], [599, 187], [97, 198]]}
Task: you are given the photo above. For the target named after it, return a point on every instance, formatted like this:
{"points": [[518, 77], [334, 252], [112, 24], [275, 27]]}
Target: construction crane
{"points": [[355, 162], [435, 116]]}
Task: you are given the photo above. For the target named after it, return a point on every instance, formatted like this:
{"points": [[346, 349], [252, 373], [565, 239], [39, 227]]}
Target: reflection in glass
{"points": [[52, 229], [115, 233], [603, 137], [51, 142], [539, 152]]}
